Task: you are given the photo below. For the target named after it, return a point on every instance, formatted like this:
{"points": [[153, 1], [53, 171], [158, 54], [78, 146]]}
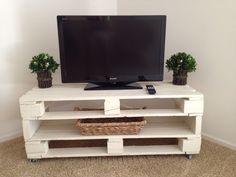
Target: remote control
{"points": [[151, 89]]}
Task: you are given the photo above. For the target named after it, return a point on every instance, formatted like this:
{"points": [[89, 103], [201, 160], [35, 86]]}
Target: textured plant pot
{"points": [[180, 78], [44, 79]]}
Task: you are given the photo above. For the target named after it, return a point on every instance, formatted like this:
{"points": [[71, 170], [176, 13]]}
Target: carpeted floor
{"points": [[213, 161]]}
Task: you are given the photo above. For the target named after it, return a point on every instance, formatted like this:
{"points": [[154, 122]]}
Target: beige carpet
{"points": [[213, 161]]}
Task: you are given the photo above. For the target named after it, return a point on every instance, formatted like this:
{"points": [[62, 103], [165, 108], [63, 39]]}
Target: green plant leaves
{"points": [[181, 62], [43, 63]]}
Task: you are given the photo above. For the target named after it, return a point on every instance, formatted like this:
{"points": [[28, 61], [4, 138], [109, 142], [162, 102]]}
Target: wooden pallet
{"points": [[174, 112]]}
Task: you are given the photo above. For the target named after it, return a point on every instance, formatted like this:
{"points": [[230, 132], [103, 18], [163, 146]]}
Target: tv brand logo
{"points": [[112, 78]]}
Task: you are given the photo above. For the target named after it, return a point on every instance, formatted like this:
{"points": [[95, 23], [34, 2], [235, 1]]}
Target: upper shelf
{"points": [[71, 92]]}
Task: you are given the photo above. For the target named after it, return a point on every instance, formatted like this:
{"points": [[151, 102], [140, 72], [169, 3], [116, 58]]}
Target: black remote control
{"points": [[151, 89]]}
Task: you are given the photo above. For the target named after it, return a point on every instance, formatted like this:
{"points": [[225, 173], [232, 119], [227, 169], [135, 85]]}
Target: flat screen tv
{"points": [[111, 52]]}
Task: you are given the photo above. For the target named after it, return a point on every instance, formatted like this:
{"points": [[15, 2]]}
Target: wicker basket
{"points": [[111, 126]]}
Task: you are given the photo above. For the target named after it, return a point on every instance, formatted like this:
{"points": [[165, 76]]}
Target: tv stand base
{"points": [[133, 85], [173, 115]]}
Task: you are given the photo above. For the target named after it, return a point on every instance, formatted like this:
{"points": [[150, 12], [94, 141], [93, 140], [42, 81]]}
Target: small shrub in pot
{"points": [[44, 65], [181, 64]]}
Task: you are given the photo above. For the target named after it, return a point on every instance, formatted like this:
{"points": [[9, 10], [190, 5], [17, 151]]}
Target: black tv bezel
{"points": [[120, 80]]}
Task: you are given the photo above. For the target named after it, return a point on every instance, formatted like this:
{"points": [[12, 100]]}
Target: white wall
{"points": [[204, 28], [28, 27], [207, 30]]}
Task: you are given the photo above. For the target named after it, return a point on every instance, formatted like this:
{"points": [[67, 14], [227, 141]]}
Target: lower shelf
{"points": [[102, 151], [58, 131]]}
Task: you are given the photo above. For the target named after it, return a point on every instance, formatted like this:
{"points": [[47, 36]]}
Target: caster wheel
{"points": [[33, 160], [189, 156]]}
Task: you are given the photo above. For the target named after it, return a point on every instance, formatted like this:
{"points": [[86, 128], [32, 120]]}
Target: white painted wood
{"points": [[76, 152], [32, 111], [195, 114], [30, 127], [35, 149], [115, 139], [195, 98], [195, 106], [112, 106], [198, 125], [190, 106], [57, 131], [101, 151], [195, 123], [76, 92], [115, 146], [100, 114], [152, 150], [40, 127], [190, 146]]}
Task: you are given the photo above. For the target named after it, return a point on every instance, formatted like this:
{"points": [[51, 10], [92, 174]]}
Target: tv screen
{"points": [[111, 49]]}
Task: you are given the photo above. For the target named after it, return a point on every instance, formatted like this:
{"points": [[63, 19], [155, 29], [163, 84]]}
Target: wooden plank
{"points": [[115, 146], [190, 106], [76, 152], [32, 110], [198, 126], [195, 123], [30, 127], [35, 149], [100, 114], [63, 131], [101, 151], [190, 146], [76, 92], [36, 146], [152, 150], [112, 106], [195, 106]]}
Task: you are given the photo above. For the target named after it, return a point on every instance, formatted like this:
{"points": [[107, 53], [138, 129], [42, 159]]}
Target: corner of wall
{"points": [[219, 141]]}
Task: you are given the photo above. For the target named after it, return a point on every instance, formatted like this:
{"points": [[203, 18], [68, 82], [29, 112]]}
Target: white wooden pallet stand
{"points": [[181, 120]]}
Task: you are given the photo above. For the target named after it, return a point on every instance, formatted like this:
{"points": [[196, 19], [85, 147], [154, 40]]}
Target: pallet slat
{"points": [[151, 130], [100, 114], [76, 92], [101, 151]]}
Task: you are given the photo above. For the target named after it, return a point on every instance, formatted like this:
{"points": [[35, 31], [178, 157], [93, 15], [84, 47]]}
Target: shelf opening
{"points": [[85, 105], [150, 141], [77, 143], [155, 103], [103, 142]]}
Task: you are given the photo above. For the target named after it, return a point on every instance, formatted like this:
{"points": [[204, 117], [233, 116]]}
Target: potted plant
{"points": [[181, 64], [44, 65]]}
